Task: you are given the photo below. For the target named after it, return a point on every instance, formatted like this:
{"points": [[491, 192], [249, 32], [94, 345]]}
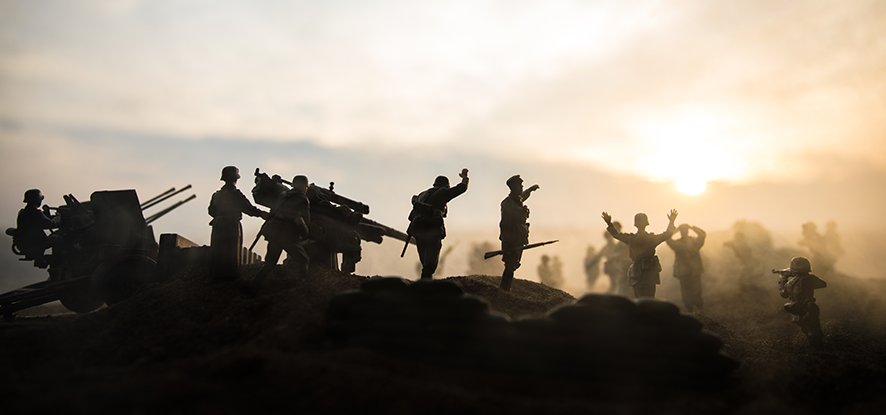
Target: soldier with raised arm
{"points": [[688, 266], [426, 220], [514, 228], [227, 207], [645, 270], [286, 227]]}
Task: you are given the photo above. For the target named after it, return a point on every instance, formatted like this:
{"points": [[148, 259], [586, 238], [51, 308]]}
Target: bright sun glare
{"points": [[690, 186]]}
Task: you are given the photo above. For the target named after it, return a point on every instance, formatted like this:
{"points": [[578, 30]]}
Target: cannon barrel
{"points": [[155, 202], [171, 189], [163, 212]]}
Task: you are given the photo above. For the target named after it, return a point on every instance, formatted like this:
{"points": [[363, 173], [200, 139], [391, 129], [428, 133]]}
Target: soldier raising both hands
{"points": [[644, 273]]}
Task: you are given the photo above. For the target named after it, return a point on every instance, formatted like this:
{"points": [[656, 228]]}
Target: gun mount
{"points": [[337, 224], [105, 251]]}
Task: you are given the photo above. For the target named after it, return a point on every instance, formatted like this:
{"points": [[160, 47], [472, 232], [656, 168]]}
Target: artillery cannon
{"points": [[337, 224], [106, 250]]}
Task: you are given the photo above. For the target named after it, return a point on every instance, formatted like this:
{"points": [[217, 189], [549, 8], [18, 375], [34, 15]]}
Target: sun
{"points": [[690, 186]]}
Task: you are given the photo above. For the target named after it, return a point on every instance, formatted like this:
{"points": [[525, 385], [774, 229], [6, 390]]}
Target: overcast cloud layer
{"points": [[746, 91]]}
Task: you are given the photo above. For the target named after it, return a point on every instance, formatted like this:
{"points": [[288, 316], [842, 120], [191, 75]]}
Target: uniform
{"points": [[800, 290], [426, 221], [645, 269], [226, 208], [514, 233], [284, 230], [688, 268]]}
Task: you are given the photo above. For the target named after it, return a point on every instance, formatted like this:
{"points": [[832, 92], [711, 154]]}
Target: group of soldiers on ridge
{"points": [[287, 225]]}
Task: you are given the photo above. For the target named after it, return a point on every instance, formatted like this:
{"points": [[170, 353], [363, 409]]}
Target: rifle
{"points": [[405, 245], [784, 273], [258, 235], [522, 248]]}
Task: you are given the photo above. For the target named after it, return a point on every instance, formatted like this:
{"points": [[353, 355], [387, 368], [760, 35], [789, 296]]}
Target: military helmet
{"points": [[230, 173], [33, 196], [514, 181], [441, 181], [800, 265], [299, 181]]}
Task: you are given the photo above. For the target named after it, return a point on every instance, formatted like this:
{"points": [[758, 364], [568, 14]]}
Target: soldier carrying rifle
{"points": [[799, 285], [514, 228]]}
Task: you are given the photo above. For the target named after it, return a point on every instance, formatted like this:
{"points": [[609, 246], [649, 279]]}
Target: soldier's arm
{"points": [[247, 207], [528, 192], [701, 235]]}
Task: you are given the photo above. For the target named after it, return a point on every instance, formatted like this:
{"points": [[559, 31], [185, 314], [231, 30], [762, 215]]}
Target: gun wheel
{"points": [[81, 300], [125, 277]]}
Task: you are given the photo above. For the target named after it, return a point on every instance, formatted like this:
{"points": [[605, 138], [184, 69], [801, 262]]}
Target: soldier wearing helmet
{"points": [[688, 266], [514, 228], [30, 235], [617, 262], [287, 226], [426, 220], [798, 285], [227, 207], [645, 269]]}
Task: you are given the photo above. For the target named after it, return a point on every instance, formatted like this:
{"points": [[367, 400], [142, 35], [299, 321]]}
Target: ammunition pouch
{"points": [[643, 267]]}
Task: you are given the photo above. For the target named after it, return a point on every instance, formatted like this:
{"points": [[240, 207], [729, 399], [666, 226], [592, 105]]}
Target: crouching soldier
{"points": [[798, 284], [286, 227]]}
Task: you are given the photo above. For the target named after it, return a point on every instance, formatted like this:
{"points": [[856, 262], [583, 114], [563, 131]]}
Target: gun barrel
{"points": [[171, 189], [156, 202], [160, 214], [522, 248]]}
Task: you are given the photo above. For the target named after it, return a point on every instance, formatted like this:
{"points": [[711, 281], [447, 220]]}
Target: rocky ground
{"points": [[192, 345]]}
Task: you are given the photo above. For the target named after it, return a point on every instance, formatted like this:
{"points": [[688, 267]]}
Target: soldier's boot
{"points": [[506, 278]]}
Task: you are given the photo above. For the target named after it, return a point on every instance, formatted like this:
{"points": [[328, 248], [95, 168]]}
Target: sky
{"points": [[774, 110]]}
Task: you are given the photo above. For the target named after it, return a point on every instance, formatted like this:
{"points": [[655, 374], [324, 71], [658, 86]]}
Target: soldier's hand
{"points": [[673, 215], [533, 188], [463, 174], [265, 215], [46, 210], [607, 218]]}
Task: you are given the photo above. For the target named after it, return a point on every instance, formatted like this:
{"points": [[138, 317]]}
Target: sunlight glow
{"points": [[690, 186]]}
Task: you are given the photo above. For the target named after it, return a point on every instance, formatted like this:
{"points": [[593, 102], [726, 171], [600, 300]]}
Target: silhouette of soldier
{"points": [[514, 228], [617, 262], [749, 263], [226, 242], [550, 271], [286, 227], [798, 284], [30, 235], [426, 220], [824, 249], [644, 273], [592, 266], [688, 266]]}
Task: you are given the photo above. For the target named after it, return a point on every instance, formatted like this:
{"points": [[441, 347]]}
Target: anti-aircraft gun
{"points": [[105, 251], [337, 224]]}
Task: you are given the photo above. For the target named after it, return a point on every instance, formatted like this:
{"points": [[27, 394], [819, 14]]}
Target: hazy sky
{"points": [[766, 99]]}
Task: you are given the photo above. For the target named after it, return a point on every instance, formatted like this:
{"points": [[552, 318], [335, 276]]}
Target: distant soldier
{"points": [[644, 273], [750, 265], [688, 266], [514, 228], [226, 208], [426, 220], [617, 262], [550, 271], [30, 235], [286, 227], [592, 266], [798, 284]]}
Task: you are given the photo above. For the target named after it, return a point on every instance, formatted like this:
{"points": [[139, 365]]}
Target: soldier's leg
{"points": [[429, 255], [297, 255], [225, 250], [810, 323], [511, 258], [271, 258], [643, 289]]}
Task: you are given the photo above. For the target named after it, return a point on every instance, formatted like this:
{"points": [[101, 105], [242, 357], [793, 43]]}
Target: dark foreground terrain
{"points": [[191, 345]]}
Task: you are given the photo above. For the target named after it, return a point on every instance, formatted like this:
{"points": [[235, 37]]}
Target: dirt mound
{"points": [[194, 345]]}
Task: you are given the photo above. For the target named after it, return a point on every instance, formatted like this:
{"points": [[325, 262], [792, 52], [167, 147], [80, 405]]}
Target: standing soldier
{"points": [[426, 220], [750, 265], [226, 208], [30, 237], [617, 262], [644, 273], [799, 285], [688, 266], [514, 228], [286, 227]]}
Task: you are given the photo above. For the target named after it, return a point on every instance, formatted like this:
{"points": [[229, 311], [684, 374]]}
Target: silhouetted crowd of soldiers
{"points": [[631, 263]]}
